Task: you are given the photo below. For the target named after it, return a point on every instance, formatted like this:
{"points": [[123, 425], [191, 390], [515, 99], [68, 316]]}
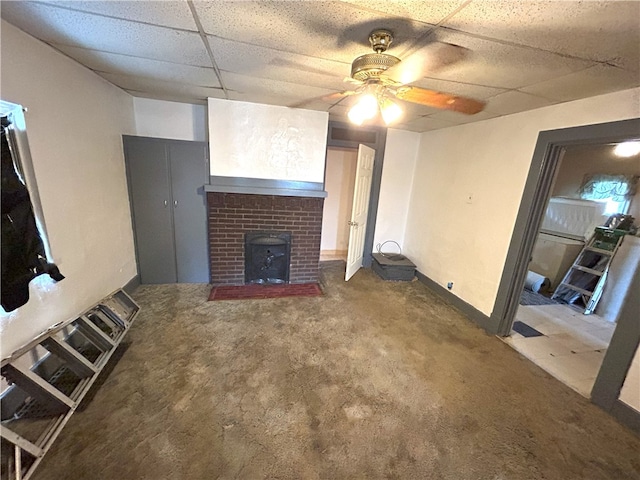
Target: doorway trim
{"points": [[344, 135], [544, 165]]}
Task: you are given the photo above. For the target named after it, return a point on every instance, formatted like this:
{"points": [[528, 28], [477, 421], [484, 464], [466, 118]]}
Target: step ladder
{"points": [[588, 274], [49, 377]]}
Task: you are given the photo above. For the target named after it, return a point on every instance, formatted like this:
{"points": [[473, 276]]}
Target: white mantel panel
{"points": [[252, 140]]}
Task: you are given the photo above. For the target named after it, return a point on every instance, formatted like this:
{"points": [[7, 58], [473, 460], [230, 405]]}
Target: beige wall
{"points": [[467, 188], [580, 161], [400, 156], [75, 123], [162, 119], [339, 184]]}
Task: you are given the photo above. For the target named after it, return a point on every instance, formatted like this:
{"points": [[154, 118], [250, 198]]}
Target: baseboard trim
{"points": [[132, 284], [468, 310], [626, 415]]}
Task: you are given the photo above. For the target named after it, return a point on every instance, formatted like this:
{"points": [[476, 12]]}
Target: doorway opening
{"points": [[566, 330], [368, 145], [340, 175]]}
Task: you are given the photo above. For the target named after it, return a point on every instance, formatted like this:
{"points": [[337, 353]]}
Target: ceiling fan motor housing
{"points": [[372, 65]]}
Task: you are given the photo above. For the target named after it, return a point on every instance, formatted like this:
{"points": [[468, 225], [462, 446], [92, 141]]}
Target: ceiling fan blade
{"points": [[429, 59], [337, 95], [353, 81], [325, 98], [446, 101]]}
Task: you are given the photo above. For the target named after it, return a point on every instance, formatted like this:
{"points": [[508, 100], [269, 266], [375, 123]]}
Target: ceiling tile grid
{"points": [[522, 54], [604, 31], [78, 29], [104, 62], [164, 13]]}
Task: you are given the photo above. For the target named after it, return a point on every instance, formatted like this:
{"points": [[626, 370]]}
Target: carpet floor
{"points": [[373, 380]]}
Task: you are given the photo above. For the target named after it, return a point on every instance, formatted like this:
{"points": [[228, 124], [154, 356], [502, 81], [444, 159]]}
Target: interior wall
{"points": [[162, 119], [75, 120], [400, 156], [580, 161], [253, 140], [339, 184], [630, 393], [468, 184]]}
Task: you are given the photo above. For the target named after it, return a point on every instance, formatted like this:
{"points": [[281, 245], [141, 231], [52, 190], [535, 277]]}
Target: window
{"points": [[614, 190], [25, 252]]}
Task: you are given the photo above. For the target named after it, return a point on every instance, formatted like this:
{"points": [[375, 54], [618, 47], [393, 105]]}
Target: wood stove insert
{"points": [[267, 257]]}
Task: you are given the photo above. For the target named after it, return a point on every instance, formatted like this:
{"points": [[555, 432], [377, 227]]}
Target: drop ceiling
{"points": [[523, 54]]}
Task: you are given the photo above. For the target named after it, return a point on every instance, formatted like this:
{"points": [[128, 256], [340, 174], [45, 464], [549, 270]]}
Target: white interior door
{"points": [[358, 223]]}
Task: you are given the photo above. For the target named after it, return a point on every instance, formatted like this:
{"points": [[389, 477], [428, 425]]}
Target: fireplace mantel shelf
{"points": [[262, 186]]}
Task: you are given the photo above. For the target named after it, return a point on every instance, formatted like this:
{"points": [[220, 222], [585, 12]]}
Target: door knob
{"points": [[175, 203], [166, 203]]}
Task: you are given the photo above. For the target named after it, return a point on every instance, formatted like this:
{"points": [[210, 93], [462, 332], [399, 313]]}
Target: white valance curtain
{"points": [[618, 188]]}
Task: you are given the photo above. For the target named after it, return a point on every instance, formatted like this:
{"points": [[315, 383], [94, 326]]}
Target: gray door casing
{"points": [[626, 337], [168, 208]]}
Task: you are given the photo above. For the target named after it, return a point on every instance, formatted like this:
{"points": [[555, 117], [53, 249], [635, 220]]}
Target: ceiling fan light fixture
{"points": [[365, 109], [390, 111], [627, 149]]}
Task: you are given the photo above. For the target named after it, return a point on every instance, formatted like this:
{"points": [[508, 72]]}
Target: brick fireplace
{"points": [[232, 215]]}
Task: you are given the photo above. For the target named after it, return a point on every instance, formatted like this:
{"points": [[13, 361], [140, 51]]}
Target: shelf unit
{"points": [[49, 377]]}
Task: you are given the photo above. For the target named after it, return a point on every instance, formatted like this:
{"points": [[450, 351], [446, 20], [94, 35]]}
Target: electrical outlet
{"points": [[450, 285]]}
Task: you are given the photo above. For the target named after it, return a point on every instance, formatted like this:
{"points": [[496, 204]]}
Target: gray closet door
{"points": [[189, 172], [150, 193]]}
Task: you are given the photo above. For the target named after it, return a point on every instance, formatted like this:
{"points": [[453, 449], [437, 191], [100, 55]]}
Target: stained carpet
{"points": [[371, 380]]}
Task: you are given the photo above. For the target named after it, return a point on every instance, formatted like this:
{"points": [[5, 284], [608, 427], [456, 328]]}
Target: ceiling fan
{"points": [[380, 78]]}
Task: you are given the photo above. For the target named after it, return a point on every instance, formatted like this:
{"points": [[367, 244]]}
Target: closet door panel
{"points": [[150, 194], [189, 173]]}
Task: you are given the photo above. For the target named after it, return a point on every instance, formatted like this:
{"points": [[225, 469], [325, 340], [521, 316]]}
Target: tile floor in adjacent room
{"points": [[572, 347]]}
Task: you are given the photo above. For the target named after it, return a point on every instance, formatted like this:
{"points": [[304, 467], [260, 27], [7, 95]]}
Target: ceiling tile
{"points": [[330, 30], [263, 62], [513, 102], [168, 13], [430, 11], [597, 30], [456, 118], [284, 99], [147, 86], [142, 67], [317, 105], [424, 124], [503, 66], [244, 84], [67, 27], [169, 98], [596, 80], [296, 52]]}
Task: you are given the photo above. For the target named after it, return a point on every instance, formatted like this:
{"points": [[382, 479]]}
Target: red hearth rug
{"points": [[253, 291]]}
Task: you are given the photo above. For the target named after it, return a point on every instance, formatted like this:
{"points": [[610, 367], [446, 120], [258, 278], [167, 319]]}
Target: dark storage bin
{"points": [[393, 267]]}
